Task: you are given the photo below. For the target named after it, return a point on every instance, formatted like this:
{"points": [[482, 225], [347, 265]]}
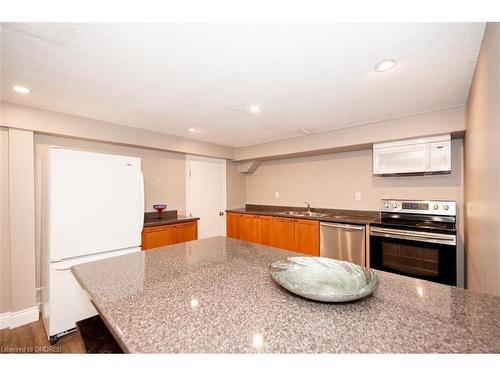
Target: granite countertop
{"points": [[216, 296], [168, 217], [332, 215]]}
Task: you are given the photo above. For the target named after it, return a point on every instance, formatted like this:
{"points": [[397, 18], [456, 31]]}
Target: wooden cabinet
{"points": [[265, 226], [249, 228], [158, 236], [163, 235], [233, 225], [307, 237], [185, 232], [284, 233]]}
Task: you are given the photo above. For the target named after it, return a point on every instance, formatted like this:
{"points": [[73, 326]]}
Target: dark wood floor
{"points": [[31, 338]]}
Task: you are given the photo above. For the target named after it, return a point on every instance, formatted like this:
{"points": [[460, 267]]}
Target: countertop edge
{"points": [[101, 314], [347, 220], [160, 222]]}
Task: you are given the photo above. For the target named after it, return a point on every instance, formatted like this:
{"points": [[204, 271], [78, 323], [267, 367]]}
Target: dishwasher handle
{"points": [[343, 226]]}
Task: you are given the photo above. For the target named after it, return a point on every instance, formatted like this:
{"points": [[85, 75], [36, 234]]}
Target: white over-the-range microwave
{"points": [[419, 156]]}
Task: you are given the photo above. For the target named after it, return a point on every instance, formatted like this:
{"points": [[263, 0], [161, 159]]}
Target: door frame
{"points": [[190, 158]]}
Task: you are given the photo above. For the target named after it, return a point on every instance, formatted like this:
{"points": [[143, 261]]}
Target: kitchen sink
{"points": [[304, 213]]}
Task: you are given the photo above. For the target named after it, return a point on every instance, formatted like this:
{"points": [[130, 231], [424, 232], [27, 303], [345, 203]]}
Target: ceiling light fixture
{"points": [[193, 130], [385, 65], [21, 89], [255, 108], [306, 131]]}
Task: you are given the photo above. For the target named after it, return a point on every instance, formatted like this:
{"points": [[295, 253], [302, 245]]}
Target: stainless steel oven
{"points": [[420, 244]]}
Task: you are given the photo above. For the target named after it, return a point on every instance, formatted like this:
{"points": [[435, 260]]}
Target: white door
{"points": [[206, 194]]}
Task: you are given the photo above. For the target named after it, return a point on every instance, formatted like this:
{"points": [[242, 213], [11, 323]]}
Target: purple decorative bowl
{"points": [[159, 208]]}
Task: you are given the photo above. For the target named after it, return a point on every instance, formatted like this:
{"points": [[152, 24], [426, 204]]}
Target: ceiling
{"points": [[171, 77]]}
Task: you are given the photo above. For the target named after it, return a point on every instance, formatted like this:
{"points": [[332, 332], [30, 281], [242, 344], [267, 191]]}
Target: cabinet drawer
{"points": [[157, 236], [185, 232], [164, 235]]}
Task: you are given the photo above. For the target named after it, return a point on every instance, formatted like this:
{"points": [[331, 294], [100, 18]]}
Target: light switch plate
{"points": [[277, 194]]}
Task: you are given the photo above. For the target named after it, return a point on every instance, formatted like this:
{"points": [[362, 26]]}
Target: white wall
{"points": [[49, 122], [5, 287], [482, 168], [331, 181], [450, 120], [22, 219], [235, 186]]}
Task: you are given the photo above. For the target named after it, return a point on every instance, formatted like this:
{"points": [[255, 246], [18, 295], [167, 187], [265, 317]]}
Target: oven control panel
{"points": [[447, 208]]}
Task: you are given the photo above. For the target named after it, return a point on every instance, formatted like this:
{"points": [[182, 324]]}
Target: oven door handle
{"points": [[439, 238], [343, 226]]}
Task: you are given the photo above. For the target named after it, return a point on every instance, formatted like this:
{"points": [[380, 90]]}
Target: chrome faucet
{"points": [[308, 207]]}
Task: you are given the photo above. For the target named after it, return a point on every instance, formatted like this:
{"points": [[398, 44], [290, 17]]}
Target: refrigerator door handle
{"points": [[141, 189]]}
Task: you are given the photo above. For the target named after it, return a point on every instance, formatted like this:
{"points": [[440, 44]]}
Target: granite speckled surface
{"points": [[151, 219], [216, 296], [332, 215]]}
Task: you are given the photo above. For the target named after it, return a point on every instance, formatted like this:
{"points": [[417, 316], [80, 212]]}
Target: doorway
{"points": [[206, 194]]}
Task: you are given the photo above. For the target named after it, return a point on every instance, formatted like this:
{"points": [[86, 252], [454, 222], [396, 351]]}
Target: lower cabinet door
{"points": [[157, 236], [266, 230], [185, 232], [233, 225], [284, 233], [307, 237], [249, 228]]}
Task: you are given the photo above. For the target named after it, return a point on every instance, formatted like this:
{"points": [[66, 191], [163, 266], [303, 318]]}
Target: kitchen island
{"points": [[216, 296]]}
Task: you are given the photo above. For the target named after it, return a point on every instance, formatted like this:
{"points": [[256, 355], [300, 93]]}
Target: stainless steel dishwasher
{"points": [[343, 242]]}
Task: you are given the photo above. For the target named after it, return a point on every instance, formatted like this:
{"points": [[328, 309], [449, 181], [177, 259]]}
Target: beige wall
{"points": [[482, 168], [48, 122], [235, 186], [450, 120], [164, 174], [331, 181], [22, 219], [5, 290]]}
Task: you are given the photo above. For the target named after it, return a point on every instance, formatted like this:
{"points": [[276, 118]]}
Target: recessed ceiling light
{"points": [[193, 130], [255, 108], [385, 65], [21, 89]]}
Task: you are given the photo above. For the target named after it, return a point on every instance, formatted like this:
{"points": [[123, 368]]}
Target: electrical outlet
{"points": [[357, 196], [277, 194]]}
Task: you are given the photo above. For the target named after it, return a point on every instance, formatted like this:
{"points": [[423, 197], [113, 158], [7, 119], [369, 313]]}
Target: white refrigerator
{"points": [[92, 208]]}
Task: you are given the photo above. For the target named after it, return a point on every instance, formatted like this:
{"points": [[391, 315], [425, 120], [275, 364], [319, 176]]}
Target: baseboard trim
{"points": [[38, 292], [5, 320], [19, 318]]}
